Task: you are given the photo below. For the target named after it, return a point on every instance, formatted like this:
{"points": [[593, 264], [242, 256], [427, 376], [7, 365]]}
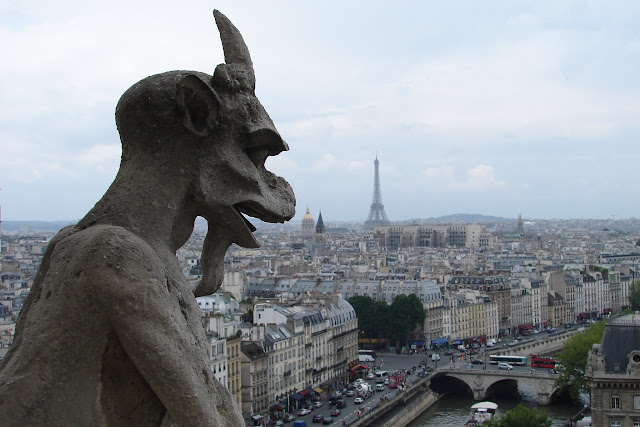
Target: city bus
{"points": [[369, 352], [542, 362], [511, 360], [397, 378], [366, 356]]}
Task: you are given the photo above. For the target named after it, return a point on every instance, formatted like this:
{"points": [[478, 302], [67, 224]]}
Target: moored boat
{"points": [[481, 412]]}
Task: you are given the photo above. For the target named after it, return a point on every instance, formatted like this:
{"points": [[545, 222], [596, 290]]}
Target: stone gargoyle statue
{"points": [[111, 333]]}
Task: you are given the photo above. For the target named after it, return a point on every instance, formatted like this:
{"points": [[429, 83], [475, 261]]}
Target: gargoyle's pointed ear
{"points": [[198, 104]]}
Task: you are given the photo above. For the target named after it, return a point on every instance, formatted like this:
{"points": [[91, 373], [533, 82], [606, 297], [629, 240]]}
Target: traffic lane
{"points": [[349, 412]]}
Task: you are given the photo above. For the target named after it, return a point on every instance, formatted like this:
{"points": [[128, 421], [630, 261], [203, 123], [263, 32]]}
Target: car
{"points": [[504, 365], [350, 393], [358, 400], [379, 387], [303, 411], [335, 413], [476, 362], [317, 418], [327, 420], [370, 376], [341, 404], [288, 418], [386, 381], [317, 404], [278, 423]]}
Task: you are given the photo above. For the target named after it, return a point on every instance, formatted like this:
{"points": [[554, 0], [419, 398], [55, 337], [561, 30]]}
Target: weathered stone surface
{"points": [[111, 333]]}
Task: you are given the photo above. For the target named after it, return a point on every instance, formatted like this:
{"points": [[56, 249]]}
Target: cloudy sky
{"points": [[490, 107]]}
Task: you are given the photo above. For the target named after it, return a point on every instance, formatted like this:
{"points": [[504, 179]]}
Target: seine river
{"points": [[453, 410]]}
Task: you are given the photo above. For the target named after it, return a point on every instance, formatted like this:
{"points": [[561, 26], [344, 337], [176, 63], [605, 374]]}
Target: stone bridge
{"points": [[548, 344], [479, 381]]}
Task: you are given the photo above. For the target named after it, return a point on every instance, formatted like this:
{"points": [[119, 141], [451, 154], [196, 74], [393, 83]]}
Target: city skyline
{"points": [[494, 108]]}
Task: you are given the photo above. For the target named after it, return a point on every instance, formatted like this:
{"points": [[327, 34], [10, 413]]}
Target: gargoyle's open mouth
{"points": [[254, 210], [248, 223]]}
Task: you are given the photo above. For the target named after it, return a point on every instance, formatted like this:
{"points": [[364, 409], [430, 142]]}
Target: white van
{"points": [[381, 376], [379, 387]]}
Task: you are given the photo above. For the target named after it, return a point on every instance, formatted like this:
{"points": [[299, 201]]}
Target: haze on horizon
{"points": [[496, 108]]}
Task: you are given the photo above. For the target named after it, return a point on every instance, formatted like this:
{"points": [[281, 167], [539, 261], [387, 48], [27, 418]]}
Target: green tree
{"points": [[365, 309], [573, 360], [634, 295], [520, 416], [405, 314]]}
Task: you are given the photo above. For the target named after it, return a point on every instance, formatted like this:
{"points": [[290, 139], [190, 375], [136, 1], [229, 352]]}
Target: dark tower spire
{"points": [[377, 216], [320, 224], [520, 226]]}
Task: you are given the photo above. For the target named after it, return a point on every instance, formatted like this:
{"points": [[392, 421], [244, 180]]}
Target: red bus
{"points": [[396, 378], [542, 362]]}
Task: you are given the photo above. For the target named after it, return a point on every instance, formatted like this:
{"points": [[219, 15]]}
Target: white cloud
{"points": [[478, 178], [462, 93], [102, 156]]}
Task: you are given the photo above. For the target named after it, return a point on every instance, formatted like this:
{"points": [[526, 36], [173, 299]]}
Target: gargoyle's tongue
{"points": [[242, 231]]}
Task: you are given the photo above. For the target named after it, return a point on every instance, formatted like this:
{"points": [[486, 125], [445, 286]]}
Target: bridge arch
{"points": [[480, 381]]}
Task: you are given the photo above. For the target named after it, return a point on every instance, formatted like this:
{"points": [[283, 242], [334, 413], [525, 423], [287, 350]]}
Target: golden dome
{"points": [[307, 215]]}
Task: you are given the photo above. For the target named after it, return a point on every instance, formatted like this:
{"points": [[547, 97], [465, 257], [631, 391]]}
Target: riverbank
{"points": [[406, 407]]}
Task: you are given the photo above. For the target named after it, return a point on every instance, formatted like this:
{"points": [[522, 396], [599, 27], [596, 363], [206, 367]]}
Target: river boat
{"points": [[481, 412]]}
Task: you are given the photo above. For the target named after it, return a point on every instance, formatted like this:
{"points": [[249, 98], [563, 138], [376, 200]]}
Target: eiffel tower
{"points": [[377, 216]]}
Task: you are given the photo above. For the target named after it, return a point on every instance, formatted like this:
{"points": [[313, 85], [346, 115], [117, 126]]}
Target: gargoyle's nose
{"points": [[267, 137]]}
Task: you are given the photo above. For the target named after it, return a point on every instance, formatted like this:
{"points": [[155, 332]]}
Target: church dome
{"points": [[307, 216]]}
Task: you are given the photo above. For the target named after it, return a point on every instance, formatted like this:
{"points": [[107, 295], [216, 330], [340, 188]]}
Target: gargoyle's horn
{"points": [[233, 45]]}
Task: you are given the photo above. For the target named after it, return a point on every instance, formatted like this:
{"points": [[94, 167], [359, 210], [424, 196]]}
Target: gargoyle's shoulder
{"points": [[108, 247]]}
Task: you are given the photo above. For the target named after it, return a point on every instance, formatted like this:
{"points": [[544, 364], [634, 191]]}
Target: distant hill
{"points": [[26, 226]]}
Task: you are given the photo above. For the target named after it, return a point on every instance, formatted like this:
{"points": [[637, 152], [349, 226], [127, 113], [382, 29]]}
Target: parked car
{"points": [[303, 411], [317, 418], [288, 418], [504, 365], [317, 404], [476, 362]]}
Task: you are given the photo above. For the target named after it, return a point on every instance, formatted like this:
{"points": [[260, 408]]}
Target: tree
{"points": [[634, 295], [573, 360], [372, 316], [521, 416], [377, 319], [406, 313]]}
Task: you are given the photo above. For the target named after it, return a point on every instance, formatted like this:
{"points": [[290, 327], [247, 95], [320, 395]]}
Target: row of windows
{"points": [[615, 402]]}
